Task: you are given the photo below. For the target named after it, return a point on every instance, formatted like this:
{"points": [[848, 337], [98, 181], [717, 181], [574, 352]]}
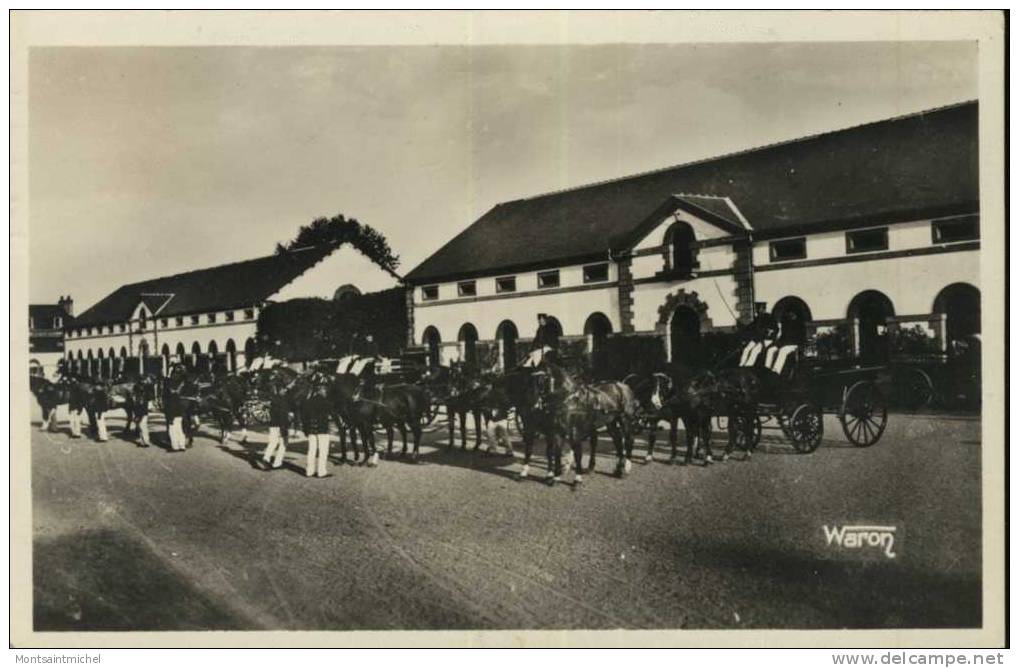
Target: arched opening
{"points": [[872, 309], [597, 328], [143, 349], [506, 334], [180, 353], [345, 292], [792, 315], [555, 325], [679, 239], [196, 355], [231, 355], [685, 336], [213, 348], [249, 351], [432, 341], [104, 364], [468, 338], [960, 302]]}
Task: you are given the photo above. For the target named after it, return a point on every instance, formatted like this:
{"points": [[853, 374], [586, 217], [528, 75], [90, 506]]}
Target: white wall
{"points": [[570, 308], [718, 292], [911, 283], [344, 266]]}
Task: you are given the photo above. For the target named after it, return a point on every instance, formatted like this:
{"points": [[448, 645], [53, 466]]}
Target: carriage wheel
{"points": [[919, 390], [806, 427], [864, 414], [748, 431]]}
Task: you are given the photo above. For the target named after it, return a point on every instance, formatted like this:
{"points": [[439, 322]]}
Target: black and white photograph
{"points": [[586, 335]]}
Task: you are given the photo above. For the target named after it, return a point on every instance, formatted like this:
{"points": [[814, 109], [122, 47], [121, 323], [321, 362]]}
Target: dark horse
{"points": [[587, 407], [134, 395], [461, 391], [678, 394]]}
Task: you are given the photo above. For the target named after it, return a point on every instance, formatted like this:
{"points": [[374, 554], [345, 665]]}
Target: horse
{"points": [[460, 391], [527, 393], [49, 396], [134, 395], [588, 407], [181, 397], [222, 397], [677, 394]]}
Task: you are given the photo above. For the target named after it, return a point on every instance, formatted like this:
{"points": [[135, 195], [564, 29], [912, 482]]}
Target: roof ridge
{"points": [[745, 151], [215, 266]]}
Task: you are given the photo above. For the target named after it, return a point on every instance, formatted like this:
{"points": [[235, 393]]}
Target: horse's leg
{"points": [[104, 435], [143, 429], [402, 426], [477, 429], [450, 418], [578, 455], [528, 436], [463, 429], [342, 431], [552, 455], [706, 440]]}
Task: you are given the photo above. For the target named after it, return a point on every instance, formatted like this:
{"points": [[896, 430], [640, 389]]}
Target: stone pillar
{"points": [[625, 295], [409, 295], [854, 336], [743, 273], [939, 323]]}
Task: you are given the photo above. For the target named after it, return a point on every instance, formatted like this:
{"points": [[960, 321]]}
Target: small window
{"points": [[788, 249], [179, 321], [164, 323], [122, 327], [506, 284], [58, 322], [229, 316], [249, 314], [957, 229], [867, 241], [596, 273], [194, 320], [429, 293], [548, 279], [467, 288], [211, 318]]}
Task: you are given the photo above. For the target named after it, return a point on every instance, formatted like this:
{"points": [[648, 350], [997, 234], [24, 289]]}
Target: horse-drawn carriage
{"points": [[797, 403]]}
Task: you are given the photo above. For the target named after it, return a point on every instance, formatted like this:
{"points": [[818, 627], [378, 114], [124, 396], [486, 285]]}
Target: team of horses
{"points": [[549, 402]]}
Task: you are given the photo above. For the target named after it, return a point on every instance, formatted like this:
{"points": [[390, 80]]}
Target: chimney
{"points": [[67, 304]]}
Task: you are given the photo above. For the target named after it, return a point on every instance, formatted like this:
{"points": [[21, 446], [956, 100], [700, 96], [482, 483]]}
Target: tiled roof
{"points": [[227, 286], [924, 164]]}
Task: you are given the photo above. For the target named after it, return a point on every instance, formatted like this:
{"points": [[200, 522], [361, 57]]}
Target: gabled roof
{"points": [[224, 287], [920, 165], [154, 302]]}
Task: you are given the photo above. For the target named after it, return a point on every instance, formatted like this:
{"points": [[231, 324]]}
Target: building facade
{"points": [[209, 317], [46, 323], [854, 235]]}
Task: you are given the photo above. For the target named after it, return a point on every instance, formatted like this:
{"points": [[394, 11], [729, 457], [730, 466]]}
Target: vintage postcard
{"points": [[507, 329]]}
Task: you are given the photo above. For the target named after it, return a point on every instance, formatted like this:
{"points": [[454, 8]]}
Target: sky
{"points": [[145, 162]]}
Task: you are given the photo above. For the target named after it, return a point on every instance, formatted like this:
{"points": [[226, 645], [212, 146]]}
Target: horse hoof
{"points": [[708, 461], [579, 480], [648, 458], [725, 457], [627, 466]]}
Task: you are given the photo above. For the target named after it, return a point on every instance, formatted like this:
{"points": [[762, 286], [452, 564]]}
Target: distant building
{"points": [[46, 323], [857, 232], [208, 316]]}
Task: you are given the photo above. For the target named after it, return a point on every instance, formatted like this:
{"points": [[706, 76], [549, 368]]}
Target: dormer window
{"points": [[143, 320], [679, 242]]}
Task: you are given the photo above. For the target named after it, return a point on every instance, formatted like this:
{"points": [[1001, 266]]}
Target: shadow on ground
{"points": [[103, 580]]}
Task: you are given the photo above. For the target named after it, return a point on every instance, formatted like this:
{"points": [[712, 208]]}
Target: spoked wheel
{"points": [[864, 414], [806, 427], [918, 390], [747, 431]]}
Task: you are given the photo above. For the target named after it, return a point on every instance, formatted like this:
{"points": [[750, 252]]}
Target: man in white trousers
{"points": [[279, 425]]}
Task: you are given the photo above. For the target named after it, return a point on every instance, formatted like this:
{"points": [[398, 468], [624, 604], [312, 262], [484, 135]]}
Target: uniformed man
{"points": [[545, 344], [762, 333]]}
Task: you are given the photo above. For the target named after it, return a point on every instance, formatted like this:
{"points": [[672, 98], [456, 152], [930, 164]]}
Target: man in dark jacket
{"points": [[545, 344]]}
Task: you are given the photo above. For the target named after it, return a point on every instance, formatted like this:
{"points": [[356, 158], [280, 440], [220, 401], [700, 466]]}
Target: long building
{"points": [[861, 231], [209, 316]]}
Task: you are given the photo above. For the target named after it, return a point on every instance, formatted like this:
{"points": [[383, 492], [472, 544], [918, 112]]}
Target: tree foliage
{"points": [[340, 230], [307, 329]]}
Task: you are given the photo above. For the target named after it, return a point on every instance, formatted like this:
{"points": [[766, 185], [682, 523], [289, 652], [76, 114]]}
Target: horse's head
{"points": [[662, 389]]}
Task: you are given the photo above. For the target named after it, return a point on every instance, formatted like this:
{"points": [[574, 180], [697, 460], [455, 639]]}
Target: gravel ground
{"points": [[131, 538]]}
